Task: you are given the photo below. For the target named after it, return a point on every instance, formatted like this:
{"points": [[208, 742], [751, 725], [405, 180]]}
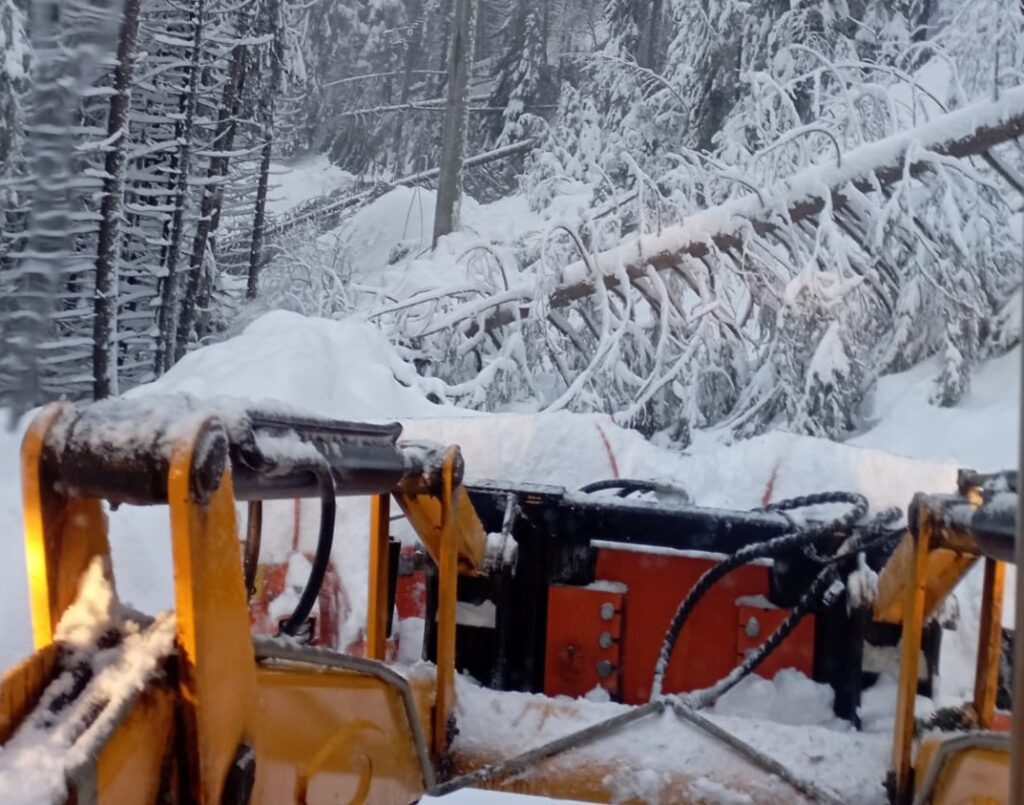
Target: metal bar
{"points": [[755, 756], [910, 646], [990, 641], [524, 761], [444, 699], [377, 605], [269, 649]]}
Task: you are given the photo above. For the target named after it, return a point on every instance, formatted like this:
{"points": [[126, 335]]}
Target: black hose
{"points": [[626, 486], [253, 536], [802, 538], [807, 602], [871, 536], [321, 559], [630, 486]]}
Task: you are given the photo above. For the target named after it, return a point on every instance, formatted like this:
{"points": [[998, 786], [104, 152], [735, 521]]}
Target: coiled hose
{"points": [[806, 539]]}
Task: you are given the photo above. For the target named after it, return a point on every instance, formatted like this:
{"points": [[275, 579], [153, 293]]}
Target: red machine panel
{"points": [[709, 644], [583, 640], [755, 623]]}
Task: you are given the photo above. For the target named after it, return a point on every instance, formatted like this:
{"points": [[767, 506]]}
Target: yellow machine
{"points": [[199, 711]]}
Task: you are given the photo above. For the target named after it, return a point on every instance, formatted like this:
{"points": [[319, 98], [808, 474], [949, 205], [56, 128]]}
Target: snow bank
{"points": [[346, 369], [388, 241], [980, 433], [343, 369]]}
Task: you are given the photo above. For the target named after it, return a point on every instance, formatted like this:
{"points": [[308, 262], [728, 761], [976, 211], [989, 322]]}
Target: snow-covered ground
{"points": [[346, 369], [296, 181]]}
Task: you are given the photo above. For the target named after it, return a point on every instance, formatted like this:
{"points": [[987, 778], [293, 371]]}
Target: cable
{"points": [[626, 486], [630, 486], [786, 543], [321, 559]]}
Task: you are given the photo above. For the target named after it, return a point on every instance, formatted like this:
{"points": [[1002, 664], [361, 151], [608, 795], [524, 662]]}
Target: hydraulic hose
{"points": [[870, 536], [630, 486], [801, 538], [325, 540], [626, 486]]}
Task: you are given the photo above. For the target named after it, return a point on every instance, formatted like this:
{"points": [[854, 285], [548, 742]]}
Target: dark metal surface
{"points": [[363, 458], [120, 450]]}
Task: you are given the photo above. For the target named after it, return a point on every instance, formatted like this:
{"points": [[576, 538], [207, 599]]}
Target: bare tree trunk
{"points": [[259, 220], [545, 29], [449, 188], [213, 189], [168, 317], [412, 54], [104, 330], [652, 55]]}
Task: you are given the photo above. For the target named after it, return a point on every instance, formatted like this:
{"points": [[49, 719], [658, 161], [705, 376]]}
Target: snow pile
{"points": [[788, 698], [342, 369], [108, 655]]}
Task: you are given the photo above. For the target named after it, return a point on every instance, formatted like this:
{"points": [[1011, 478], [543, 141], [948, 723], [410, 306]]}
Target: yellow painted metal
{"points": [[944, 569], [444, 700], [990, 641], [216, 661], [980, 776], [130, 764], [21, 686], [329, 735], [423, 510], [377, 605], [62, 534], [915, 589]]}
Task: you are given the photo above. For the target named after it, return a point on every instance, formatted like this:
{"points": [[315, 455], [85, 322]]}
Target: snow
{"points": [[981, 433], [640, 761], [340, 369], [298, 181], [788, 698], [59, 737]]}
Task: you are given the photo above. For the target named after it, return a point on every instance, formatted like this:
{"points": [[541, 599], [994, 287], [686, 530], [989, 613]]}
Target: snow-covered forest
{"points": [[683, 213]]}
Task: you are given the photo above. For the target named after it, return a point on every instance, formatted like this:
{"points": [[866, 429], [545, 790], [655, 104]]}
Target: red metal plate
{"points": [[796, 651], [707, 648], [583, 638]]}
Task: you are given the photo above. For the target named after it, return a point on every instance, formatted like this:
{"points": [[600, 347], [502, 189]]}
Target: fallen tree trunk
{"points": [[967, 132]]}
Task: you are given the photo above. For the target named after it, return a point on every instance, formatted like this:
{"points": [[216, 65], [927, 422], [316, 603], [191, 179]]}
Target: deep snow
{"points": [[346, 369]]}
